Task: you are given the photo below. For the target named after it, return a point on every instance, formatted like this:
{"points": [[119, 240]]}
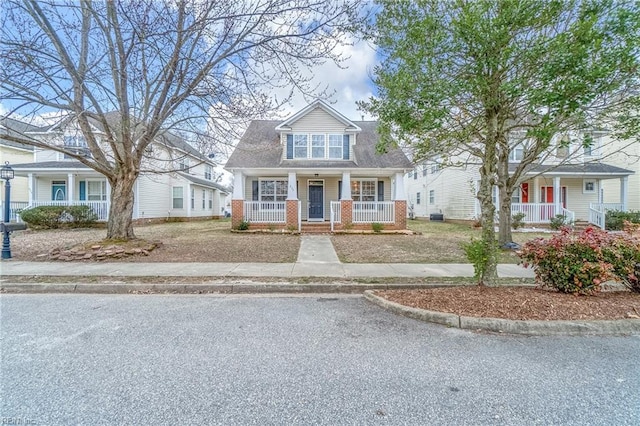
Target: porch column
{"points": [[536, 191], [400, 194], [292, 187], [71, 187], [346, 186], [32, 184], [108, 190], [237, 199], [624, 192], [600, 189], [292, 203], [557, 195]]}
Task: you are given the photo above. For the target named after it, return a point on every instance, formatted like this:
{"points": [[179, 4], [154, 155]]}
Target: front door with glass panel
{"points": [[316, 200], [58, 190]]}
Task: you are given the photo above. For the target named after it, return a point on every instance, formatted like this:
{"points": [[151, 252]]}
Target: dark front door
{"points": [[316, 201]]}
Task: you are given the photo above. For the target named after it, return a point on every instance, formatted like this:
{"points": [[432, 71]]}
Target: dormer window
{"points": [[183, 164], [318, 146], [517, 153]]}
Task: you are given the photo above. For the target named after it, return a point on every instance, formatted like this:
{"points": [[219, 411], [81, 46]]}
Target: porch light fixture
{"points": [[6, 173]]}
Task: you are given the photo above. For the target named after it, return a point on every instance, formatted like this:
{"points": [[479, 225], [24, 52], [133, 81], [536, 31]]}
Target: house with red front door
{"points": [[316, 169], [579, 182]]}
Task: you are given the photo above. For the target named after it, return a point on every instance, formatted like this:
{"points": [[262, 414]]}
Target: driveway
{"points": [[177, 359]]}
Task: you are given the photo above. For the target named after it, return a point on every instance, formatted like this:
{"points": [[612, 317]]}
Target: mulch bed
{"points": [[519, 303]]}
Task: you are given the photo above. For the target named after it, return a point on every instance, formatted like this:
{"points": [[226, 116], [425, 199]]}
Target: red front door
{"points": [[547, 195]]}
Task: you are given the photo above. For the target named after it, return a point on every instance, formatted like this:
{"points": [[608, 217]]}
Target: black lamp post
{"points": [[6, 173]]}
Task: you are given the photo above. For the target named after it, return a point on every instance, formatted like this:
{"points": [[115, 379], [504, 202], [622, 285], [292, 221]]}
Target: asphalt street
{"points": [[274, 360]]}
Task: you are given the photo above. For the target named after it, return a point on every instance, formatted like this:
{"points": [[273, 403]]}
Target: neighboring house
{"points": [[316, 167], [179, 183], [581, 183], [14, 153]]}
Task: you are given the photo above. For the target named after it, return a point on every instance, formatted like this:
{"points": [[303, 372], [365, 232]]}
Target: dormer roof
{"points": [[350, 126]]}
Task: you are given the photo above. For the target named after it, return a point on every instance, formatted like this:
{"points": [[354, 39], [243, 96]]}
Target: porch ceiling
{"points": [[319, 172], [586, 170]]}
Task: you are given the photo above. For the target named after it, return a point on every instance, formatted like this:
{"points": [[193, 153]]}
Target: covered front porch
{"points": [[574, 192], [323, 201], [61, 186]]}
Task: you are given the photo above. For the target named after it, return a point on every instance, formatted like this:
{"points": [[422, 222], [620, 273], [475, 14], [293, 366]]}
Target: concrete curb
{"points": [[498, 325], [220, 287]]}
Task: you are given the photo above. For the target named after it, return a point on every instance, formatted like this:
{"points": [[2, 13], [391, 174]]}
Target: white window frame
{"points": [[356, 189], [208, 172], [318, 141], [101, 194], [278, 186], [517, 153], [175, 197], [432, 196], [300, 142], [335, 142], [417, 197], [204, 199], [210, 199], [193, 198], [589, 183], [183, 164]]}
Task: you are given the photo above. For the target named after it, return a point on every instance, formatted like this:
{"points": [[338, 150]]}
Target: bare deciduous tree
{"points": [[193, 68]]}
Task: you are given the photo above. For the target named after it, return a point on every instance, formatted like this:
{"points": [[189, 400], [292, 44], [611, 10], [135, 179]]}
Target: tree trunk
{"points": [[504, 217], [120, 225], [488, 211]]}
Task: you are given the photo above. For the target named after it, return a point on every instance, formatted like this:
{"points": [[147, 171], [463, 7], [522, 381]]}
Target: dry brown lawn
{"points": [[202, 241], [437, 243]]}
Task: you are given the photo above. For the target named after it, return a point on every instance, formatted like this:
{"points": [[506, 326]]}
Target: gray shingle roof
{"points": [[9, 126], [203, 182], [260, 147], [578, 169]]}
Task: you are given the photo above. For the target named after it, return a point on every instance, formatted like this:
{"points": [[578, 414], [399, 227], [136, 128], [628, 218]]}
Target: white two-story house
{"points": [[316, 168], [579, 182], [177, 181]]}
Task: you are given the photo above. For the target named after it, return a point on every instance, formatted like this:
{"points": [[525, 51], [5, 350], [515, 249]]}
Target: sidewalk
{"points": [[316, 258]]}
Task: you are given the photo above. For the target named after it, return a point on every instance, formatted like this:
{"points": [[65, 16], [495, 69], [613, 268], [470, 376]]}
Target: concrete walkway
{"points": [[317, 258]]}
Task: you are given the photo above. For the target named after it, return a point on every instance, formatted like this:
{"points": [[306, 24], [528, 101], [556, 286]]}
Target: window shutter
{"points": [[380, 190], [345, 147], [289, 147], [339, 190], [83, 190], [254, 190]]}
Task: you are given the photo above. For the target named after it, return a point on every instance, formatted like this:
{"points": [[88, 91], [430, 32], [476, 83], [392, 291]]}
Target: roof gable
{"points": [[318, 103]]}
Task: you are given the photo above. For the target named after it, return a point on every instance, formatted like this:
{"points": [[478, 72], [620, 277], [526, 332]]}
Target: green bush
{"points": [[558, 221], [377, 227], [243, 226], [579, 262], [517, 220], [479, 252], [57, 216], [614, 220]]}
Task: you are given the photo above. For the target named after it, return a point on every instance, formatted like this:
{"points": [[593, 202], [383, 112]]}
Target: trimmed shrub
{"points": [[377, 227], [517, 220], [46, 217], [558, 221], [614, 220], [579, 262]]}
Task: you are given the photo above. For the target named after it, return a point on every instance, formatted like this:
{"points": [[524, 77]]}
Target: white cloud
{"points": [[347, 83]]}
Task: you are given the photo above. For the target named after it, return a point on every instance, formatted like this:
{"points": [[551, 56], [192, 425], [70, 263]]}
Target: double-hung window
{"points": [[273, 190], [208, 172], [363, 190], [300, 146], [335, 147], [178, 197], [318, 146], [96, 190]]}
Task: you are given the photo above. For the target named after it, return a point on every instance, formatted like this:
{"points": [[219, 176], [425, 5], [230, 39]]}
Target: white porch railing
{"points": [[598, 212], [265, 211], [570, 217], [336, 213], [14, 207], [535, 212], [374, 211], [100, 208]]}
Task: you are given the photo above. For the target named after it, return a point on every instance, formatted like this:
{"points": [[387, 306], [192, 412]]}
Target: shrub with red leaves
{"points": [[580, 261]]}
